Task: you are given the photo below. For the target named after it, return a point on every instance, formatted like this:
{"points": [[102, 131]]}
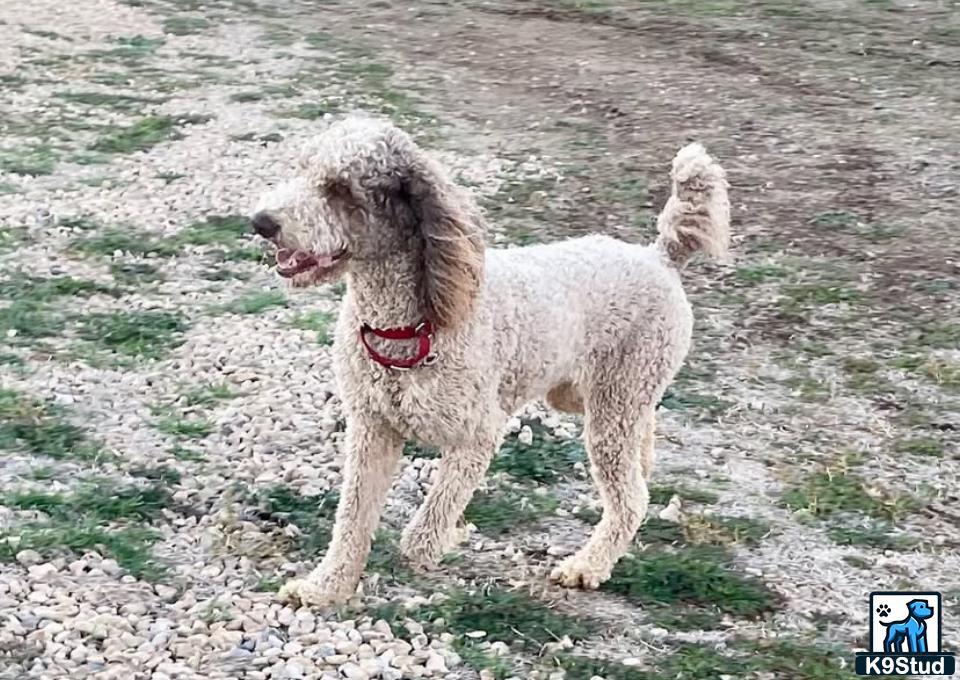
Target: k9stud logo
{"points": [[905, 636]]}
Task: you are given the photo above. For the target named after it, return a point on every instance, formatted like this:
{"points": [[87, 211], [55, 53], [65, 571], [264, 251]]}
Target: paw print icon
{"points": [[883, 610]]}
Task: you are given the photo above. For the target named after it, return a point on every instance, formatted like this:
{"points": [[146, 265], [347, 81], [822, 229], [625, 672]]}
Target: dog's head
{"points": [[919, 609], [365, 192]]}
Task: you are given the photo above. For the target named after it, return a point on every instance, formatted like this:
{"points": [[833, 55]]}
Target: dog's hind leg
{"points": [[617, 423], [432, 531], [891, 644], [373, 451]]}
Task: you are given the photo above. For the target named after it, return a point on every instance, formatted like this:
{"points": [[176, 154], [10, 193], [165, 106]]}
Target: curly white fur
{"points": [[594, 325]]}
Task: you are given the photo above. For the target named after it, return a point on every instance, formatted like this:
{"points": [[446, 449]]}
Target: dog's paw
{"points": [[310, 594], [580, 572]]}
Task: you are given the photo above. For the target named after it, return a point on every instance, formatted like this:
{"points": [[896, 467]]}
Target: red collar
{"points": [[423, 331]]}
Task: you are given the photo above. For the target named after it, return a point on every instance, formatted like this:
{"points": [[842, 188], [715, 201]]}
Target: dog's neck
{"points": [[386, 292]]}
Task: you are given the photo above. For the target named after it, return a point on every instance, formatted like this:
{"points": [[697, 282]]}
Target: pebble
{"points": [[29, 557]]}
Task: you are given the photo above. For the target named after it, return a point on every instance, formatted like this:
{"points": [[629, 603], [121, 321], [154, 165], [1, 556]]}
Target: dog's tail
{"points": [[697, 214]]}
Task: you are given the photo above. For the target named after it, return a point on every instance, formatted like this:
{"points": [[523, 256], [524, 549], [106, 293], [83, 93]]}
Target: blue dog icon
{"points": [[912, 629]]}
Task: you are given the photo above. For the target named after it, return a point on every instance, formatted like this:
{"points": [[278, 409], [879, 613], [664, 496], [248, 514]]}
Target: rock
{"points": [[526, 435], [671, 513], [293, 671], [436, 663], [166, 593], [41, 572], [29, 557], [352, 671]]}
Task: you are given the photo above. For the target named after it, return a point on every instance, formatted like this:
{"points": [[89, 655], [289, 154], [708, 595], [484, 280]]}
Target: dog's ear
{"points": [[453, 251]]}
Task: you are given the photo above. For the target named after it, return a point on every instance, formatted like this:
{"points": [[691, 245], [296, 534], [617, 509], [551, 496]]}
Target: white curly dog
{"points": [[440, 340]]}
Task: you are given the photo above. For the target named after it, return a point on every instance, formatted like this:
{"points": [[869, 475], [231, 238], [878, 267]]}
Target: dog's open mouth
{"points": [[293, 262]]}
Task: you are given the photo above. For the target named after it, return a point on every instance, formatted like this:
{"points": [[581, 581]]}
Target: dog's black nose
{"points": [[265, 225]]}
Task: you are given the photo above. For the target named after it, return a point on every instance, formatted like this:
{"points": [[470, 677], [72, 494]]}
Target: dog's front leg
{"points": [[373, 450], [431, 532]]}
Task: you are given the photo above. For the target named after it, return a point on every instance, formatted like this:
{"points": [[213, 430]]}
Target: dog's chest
{"points": [[423, 404]]}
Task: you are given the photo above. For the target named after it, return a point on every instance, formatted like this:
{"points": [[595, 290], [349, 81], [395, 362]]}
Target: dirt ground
{"points": [[812, 436]]}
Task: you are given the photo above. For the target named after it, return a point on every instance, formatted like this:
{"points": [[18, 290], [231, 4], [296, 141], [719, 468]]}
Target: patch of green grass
{"points": [[168, 177], [500, 510], [29, 316], [135, 273], [27, 319], [857, 561], [245, 253], [482, 660], [817, 294], [186, 454], [182, 25], [32, 161], [41, 428], [126, 240], [835, 220], [319, 39], [256, 303], [863, 375], [581, 667], [944, 373], [215, 230], [207, 395], [545, 460], [412, 449], [79, 223], [723, 530], [144, 134], [845, 222], [188, 428], [938, 335], [759, 273], [163, 474], [831, 492], [268, 584], [95, 516], [385, 557], [7, 359], [700, 576], [8, 188], [656, 530], [266, 92], [920, 446], [511, 616], [312, 515], [265, 138], [43, 289], [709, 404], [880, 535], [130, 546], [318, 322], [141, 334], [110, 100], [308, 111], [129, 48], [661, 494], [99, 501]]}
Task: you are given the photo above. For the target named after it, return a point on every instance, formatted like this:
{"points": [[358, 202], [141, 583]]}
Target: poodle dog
{"points": [[440, 341]]}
